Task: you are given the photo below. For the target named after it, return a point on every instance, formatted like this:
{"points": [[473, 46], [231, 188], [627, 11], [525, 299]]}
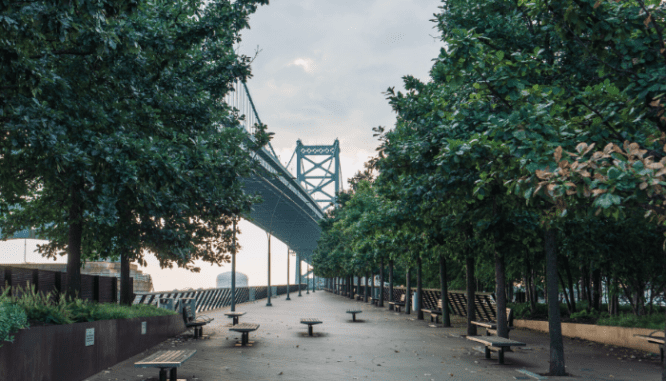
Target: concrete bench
{"points": [[310, 322], [245, 329], [398, 305], [197, 323], [354, 312], [171, 359], [495, 343], [659, 340], [234, 316]]}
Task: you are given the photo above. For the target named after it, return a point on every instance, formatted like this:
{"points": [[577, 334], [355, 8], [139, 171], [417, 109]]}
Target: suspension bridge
{"points": [[292, 204]]}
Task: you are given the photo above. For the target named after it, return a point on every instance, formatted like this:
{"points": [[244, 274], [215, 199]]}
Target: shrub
{"points": [[51, 308], [12, 318], [585, 316], [40, 307], [523, 311], [655, 321]]}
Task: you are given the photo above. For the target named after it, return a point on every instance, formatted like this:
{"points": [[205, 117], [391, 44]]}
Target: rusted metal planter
{"points": [[64, 352]]}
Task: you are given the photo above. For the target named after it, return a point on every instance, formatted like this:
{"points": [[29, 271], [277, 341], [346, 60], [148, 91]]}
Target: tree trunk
{"points": [[391, 284], [587, 292], [471, 328], [126, 297], [358, 288], [663, 365], [366, 289], [596, 289], [530, 284], [500, 293], [580, 291], [125, 290], [381, 283], [419, 288], [408, 292], [554, 321], [566, 296], [567, 269], [444, 292], [74, 243], [545, 285], [372, 287]]}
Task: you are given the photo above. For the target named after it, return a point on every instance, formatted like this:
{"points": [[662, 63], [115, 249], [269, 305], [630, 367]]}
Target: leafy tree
{"points": [[115, 139]]}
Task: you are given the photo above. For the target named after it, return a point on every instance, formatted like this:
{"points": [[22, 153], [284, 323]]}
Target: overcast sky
{"points": [[320, 74], [323, 65]]}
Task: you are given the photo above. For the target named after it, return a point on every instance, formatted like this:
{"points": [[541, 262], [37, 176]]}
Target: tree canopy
{"points": [[115, 135], [537, 142]]}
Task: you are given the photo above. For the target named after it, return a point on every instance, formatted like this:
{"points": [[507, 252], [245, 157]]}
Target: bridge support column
{"points": [[298, 270], [288, 254], [381, 283], [268, 303], [408, 291], [233, 271]]}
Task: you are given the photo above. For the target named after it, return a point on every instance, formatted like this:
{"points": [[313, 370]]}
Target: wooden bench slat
{"points": [[166, 359], [485, 324], [495, 341], [244, 327], [310, 321]]}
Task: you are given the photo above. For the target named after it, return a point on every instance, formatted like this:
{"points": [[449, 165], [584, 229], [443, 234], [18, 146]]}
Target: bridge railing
{"points": [[213, 298]]}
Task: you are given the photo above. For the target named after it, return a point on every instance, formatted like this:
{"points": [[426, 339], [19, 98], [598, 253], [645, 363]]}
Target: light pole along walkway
{"points": [[383, 345]]}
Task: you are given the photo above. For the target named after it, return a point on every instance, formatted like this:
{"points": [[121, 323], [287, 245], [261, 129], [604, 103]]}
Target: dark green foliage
{"points": [[115, 137], [653, 321], [52, 308], [12, 318]]}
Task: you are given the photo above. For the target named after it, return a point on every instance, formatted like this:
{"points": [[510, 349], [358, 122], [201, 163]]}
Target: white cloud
{"points": [[306, 63]]}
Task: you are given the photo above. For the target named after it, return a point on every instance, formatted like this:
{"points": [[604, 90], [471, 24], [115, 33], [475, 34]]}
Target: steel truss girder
{"points": [[321, 158]]}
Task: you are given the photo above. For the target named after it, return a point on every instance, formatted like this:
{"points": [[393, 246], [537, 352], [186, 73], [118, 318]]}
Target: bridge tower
{"points": [[318, 171]]}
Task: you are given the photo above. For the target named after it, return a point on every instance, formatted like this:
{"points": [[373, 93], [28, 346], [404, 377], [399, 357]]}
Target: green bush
{"points": [[52, 308], [653, 321], [585, 316], [12, 318], [40, 307], [523, 311]]}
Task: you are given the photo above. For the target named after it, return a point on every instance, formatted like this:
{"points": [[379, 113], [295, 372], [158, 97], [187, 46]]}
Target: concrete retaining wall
{"points": [[61, 353], [619, 336]]}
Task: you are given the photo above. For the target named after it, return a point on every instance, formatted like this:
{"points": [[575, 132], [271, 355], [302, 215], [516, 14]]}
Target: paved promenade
{"points": [[383, 345]]}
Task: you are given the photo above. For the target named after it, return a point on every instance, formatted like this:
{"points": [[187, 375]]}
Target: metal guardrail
{"points": [[213, 298]]}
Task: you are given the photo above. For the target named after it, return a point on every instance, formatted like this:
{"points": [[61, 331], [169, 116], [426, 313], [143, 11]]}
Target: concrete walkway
{"points": [[382, 345]]}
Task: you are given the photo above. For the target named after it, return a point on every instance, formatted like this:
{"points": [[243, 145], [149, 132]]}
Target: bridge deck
{"points": [[385, 346]]}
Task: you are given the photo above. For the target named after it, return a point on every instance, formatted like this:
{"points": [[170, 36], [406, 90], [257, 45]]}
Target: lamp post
{"points": [[233, 270], [307, 279], [268, 303]]}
